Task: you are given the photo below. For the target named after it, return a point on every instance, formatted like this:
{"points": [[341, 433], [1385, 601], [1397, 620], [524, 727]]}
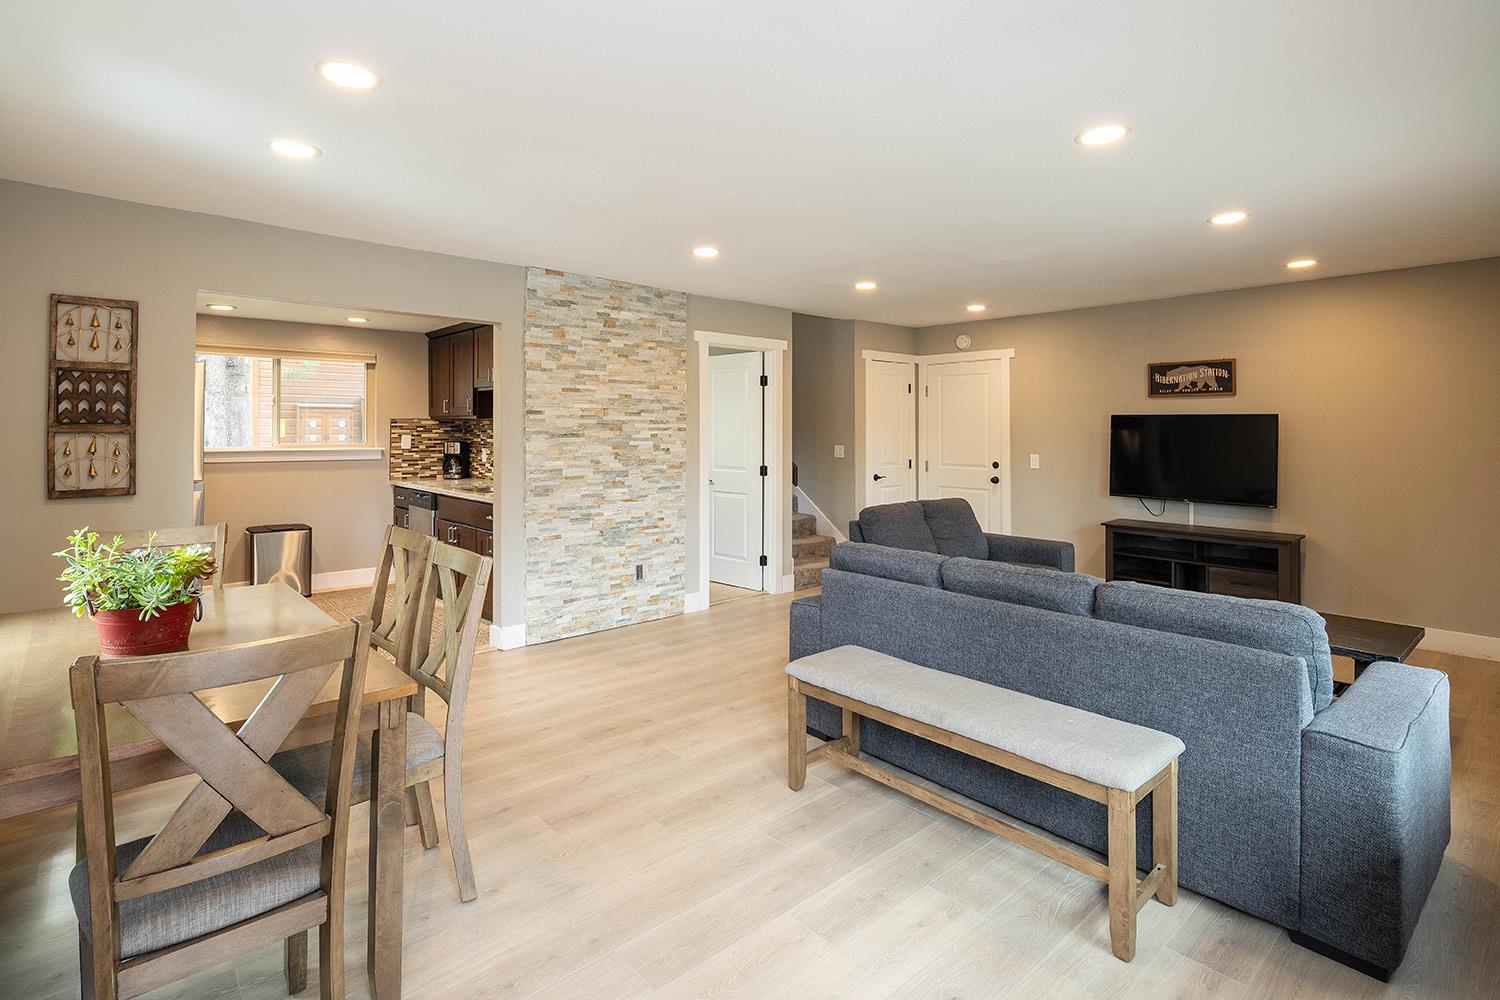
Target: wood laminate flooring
{"points": [[633, 837]]}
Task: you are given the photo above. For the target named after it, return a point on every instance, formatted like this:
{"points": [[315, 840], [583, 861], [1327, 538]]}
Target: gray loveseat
{"points": [[949, 527], [1327, 817]]}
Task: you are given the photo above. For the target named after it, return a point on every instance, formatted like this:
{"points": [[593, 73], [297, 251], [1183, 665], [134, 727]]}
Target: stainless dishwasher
{"points": [[416, 509]]}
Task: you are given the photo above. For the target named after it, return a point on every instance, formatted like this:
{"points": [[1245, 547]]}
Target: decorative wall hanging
{"points": [[1191, 378], [91, 393]]}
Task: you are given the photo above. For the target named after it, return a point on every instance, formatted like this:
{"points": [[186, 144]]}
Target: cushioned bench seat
{"points": [[1093, 747]]}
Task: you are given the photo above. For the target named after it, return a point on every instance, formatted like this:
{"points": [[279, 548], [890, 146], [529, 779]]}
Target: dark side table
{"points": [[1365, 641]]}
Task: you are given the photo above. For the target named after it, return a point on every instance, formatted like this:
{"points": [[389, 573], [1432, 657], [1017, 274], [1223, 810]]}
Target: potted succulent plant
{"points": [[142, 601]]}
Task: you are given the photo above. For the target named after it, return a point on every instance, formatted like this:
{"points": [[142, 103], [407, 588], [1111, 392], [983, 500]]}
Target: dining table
{"points": [[39, 753]]}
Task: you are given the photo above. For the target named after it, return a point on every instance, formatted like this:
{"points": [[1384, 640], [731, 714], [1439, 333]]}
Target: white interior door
{"points": [[966, 437], [890, 432], [736, 489]]}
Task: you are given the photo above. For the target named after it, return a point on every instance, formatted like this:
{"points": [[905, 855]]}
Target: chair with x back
{"points": [[403, 558], [215, 536], [246, 860]]}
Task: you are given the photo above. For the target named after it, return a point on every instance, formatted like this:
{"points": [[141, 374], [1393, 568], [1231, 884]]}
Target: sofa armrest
{"points": [[1034, 551], [1376, 771], [807, 627], [856, 533]]}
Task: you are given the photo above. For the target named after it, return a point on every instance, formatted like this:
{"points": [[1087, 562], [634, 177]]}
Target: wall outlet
{"points": [[838, 451], [484, 456], [640, 571], [405, 441], [1036, 461]]}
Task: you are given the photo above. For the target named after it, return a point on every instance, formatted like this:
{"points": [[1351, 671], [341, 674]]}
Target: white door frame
{"points": [[777, 573], [923, 362]]}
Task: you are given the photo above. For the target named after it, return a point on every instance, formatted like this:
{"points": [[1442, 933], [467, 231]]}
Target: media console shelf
{"points": [[1234, 561]]}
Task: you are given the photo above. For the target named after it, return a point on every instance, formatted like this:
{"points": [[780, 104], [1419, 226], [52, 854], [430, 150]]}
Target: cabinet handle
{"points": [[445, 406]]}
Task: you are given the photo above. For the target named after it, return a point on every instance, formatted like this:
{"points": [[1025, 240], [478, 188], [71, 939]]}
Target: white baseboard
{"points": [[825, 526], [694, 602], [343, 579], [788, 584], [508, 636], [1483, 647]]}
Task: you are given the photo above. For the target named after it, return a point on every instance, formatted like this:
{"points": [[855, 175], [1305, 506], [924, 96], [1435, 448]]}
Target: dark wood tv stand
{"points": [[1234, 561]]}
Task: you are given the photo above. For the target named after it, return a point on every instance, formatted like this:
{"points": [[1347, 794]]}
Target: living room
{"points": [[838, 354]]}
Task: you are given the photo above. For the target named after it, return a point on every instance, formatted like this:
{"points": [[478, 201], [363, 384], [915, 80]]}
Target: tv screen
{"points": [[1227, 458]]}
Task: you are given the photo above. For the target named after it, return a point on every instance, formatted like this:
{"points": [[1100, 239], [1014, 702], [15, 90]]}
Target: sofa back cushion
{"points": [[1274, 626], [899, 525], [1033, 586], [955, 529], [923, 568]]}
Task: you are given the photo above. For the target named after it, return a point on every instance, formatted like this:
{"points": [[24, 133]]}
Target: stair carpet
{"points": [[809, 549]]}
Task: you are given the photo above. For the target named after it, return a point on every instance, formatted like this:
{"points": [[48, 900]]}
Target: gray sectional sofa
{"points": [[949, 527], [1327, 817]]}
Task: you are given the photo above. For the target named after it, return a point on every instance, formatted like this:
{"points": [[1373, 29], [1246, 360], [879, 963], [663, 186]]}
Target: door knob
{"points": [[994, 465], [878, 477], [995, 480]]}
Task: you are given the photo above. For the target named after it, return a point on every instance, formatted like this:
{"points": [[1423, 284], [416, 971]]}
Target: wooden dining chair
{"points": [[245, 860], [403, 560], [453, 580], [216, 536]]}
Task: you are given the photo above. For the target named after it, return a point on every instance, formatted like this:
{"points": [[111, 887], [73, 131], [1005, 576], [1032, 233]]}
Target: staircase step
{"points": [[813, 546], [810, 573], [804, 525]]}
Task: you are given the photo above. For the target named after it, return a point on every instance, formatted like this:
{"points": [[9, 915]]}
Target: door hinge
{"points": [[765, 381], [764, 471], [908, 463], [908, 387], [763, 560], [926, 390]]}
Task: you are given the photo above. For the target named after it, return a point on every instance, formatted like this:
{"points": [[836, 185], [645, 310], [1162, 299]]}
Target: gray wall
{"points": [[1388, 387], [347, 503]]}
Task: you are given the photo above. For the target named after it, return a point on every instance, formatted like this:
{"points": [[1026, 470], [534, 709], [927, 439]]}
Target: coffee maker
{"points": [[456, 460]]}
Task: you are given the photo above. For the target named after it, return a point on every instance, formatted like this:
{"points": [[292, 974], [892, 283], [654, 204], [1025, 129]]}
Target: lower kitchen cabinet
{"points": [[466, 524]]}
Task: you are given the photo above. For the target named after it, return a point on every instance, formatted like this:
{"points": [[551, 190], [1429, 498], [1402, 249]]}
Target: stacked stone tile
{"points": [[606, 453]]}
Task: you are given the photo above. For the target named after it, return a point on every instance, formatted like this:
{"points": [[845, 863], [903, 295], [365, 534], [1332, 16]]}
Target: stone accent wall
{"points": [[606, 453], [424, 459]]}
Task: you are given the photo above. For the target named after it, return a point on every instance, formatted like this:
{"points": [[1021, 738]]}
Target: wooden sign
{"points": [[1191, 378], [91, 396]]}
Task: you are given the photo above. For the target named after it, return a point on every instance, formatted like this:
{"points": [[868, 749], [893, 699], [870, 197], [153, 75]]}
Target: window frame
{"points": [[280, 451]]}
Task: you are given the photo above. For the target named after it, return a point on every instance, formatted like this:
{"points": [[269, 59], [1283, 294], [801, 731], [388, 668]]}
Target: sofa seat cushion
{"points": [[1093, 747], [899, 525], [163, 919], [1274, 626], [955, 529], [923, 568], [1033, 586]]}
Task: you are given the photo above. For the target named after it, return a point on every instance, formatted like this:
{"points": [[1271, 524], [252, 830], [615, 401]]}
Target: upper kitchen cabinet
{"points": [[461, 373]]}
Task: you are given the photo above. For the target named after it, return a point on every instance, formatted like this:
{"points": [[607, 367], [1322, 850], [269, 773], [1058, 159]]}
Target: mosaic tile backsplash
{"points": [[606, 453], [425, 456]]}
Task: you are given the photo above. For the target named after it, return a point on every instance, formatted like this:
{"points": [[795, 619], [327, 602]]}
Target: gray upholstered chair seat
{"points": [[307, 767], [163, 919]]}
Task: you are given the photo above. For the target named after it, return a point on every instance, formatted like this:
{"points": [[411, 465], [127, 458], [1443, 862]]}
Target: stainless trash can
{"points": [[281, 553]]}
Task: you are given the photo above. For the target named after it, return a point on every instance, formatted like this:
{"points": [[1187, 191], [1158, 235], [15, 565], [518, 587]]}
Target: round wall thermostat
{"points": [[964, 342]]}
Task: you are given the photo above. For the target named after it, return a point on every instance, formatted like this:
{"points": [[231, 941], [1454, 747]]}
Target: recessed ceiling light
{"points": [[342, 74], [1300, 263], [1102, 135], [865, 286], [705, 252], [221, 307], [976, 307], [356, 319], [294, 149], [1229, 218]]}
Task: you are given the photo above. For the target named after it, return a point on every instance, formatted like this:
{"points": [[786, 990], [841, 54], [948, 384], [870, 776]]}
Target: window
{"points": [[286, 401]]}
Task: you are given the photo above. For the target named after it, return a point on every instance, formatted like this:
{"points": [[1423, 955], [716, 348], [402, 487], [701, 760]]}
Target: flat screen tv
{"points": [[1227, 458]]}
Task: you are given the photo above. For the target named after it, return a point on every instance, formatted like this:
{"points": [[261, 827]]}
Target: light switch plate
{"points": [[1036, 461], [838, 451], [405, 441]]}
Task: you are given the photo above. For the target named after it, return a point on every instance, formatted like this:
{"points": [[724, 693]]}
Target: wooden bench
{"points": [[1111, 762]]}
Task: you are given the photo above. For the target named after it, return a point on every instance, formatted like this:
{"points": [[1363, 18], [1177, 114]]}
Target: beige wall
{"points": [[743, 319], [1388, 387], [347, 503], [162, 257]]}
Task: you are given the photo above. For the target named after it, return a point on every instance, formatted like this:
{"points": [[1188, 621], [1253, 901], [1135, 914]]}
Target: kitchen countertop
{"points": [[482, 490]]}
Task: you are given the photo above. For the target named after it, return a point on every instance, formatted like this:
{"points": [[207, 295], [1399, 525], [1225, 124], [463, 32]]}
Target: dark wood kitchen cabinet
{"points": [[460, 372], [467, 524]]}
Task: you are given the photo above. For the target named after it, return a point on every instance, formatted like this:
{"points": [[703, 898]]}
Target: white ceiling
{"points": [[321, 315], [926, 145]]}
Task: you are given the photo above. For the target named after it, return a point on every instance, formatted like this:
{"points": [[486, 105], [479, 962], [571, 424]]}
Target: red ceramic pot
{"points": [[122, 633]]}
